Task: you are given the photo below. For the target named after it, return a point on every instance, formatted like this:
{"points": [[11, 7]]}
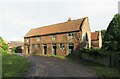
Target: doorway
{"points": [[27, 49], [38, 46], [44, 49], [70, 48], [54, 49]]}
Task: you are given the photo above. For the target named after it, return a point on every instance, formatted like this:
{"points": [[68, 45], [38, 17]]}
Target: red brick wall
{"points": [[49, 49], [62, 52], [86, 29], [60, 38]]}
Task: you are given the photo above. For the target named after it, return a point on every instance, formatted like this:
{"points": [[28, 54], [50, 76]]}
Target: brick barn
{"points": [[58, 39], [96, 39]]}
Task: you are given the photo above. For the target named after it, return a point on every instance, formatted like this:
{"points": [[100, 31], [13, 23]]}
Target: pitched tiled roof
{"points": [[68, 26], [94, 36], [15, 44]]}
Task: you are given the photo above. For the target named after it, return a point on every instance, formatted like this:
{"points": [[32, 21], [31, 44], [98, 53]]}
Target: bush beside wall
{"points": [[101, 56]]}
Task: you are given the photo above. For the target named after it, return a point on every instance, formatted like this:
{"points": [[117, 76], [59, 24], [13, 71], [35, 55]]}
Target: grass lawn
{"points": [[100, 70], [13, 65]]}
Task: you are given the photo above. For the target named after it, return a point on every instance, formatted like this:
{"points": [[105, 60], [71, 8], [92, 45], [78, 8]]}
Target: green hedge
{"points": [[92, 51]]}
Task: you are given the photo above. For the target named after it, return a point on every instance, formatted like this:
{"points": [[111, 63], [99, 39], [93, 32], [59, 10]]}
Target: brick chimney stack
{"points": [[69, 19]]}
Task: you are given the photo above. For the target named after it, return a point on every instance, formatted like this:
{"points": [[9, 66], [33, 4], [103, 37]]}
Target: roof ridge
{"points": [[66, 26], [58, 23]]}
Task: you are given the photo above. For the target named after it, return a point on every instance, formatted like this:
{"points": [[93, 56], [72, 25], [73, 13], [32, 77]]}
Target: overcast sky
{"points": [[18, 17]]}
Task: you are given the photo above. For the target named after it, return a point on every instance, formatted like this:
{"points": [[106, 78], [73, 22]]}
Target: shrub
{"points": [[13, 50], [3, 46], [92, 51], [112, 35]]}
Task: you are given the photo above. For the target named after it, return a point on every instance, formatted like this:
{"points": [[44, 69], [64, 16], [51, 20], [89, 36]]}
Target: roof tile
{"points": [[68, 26], [94, 36]]}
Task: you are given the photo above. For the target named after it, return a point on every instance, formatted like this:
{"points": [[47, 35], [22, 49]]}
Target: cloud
{"points": [[89, 1], [19, 17]]}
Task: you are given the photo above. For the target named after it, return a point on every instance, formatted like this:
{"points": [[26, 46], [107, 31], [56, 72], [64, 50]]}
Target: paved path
{"points": [[55, 67]]}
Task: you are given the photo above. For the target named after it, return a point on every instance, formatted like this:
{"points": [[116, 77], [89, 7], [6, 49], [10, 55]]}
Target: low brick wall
{"points": [[104, 60]]}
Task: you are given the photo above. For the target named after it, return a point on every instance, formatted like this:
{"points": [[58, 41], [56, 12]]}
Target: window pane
{"points": [[53, 37], [70, 35], [62, 46]]}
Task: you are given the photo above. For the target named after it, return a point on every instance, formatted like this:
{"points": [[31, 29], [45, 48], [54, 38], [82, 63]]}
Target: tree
{"points": [[112, 35], [103, 34], [3, 45]]}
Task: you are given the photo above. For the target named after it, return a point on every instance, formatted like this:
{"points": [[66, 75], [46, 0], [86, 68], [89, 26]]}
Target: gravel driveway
{"points": [[54, 67]]}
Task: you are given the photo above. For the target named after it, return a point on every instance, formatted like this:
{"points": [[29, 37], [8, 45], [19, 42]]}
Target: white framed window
{"points": [[62, 46], [54, 37], [28, 40], [70, 35]]}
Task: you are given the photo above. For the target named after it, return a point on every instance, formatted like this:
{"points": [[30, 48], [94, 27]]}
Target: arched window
{"points": [[86, 37], [86, 40]]}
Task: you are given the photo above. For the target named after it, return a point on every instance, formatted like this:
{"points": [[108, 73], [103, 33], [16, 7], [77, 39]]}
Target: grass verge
{"points": [[13, 65]]}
